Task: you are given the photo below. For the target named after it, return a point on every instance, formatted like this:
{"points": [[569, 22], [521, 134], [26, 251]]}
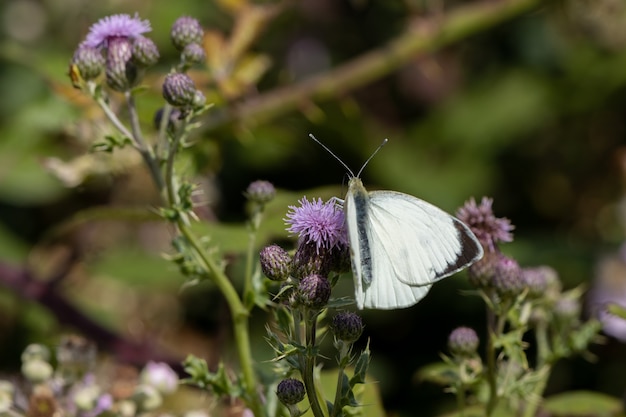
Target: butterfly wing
{"points": [[401, 245]]}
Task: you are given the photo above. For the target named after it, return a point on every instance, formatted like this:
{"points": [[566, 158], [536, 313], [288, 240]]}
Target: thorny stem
{"points": [[240, 318]]}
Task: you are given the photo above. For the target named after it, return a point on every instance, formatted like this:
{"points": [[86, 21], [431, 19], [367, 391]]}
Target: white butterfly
{"points": [[400, 245]]}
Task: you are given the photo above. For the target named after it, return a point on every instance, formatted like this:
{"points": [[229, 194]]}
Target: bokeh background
{"points": [[527, 109]]}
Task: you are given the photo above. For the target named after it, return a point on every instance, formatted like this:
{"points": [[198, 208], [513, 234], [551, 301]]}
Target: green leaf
{"points": [[582, 403]]}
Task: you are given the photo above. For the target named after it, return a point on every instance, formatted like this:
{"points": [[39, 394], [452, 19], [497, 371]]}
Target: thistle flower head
{"points": [[486, 226], [322, 224], [116, 26]]}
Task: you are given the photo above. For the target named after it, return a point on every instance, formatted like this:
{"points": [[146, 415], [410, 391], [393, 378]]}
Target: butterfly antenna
{"points": [[331, 152], [358, 175]]}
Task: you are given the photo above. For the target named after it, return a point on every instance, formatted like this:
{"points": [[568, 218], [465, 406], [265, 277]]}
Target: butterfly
{"points": [[400, 245]]}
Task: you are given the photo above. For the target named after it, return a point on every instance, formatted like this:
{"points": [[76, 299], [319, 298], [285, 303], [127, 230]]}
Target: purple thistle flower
{"points": [[486, 226], [322, 224], [116, 26]]}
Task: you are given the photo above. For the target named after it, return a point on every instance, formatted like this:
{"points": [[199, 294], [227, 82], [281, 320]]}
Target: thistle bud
{"points": [[314, 291], [120, 73], [89, 61], [347, 326], [179, 90], [290, 391], [193, 54], [145, 52], [275, 263], [186, 30], [261, 192], [507, 279], [463, 341], [480, 273]]}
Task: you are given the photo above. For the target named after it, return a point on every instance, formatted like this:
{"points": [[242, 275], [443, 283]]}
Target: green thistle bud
{"points": [[347, 326], [314, 291], [290, 391], [463, 341], [275, 263]]}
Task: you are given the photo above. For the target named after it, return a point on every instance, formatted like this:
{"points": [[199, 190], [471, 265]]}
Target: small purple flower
{"points": [[322, 224], [486, 226], [160, 376], [116, 26]]}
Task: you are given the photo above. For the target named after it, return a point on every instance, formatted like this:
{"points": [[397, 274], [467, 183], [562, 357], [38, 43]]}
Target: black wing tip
{"points": [[471, 250]]}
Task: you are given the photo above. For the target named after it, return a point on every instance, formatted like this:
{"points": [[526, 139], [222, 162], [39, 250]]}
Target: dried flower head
{"points": [[116, 26], [486, 226], [322, 224]]}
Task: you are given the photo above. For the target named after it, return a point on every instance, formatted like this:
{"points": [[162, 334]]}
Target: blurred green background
{"points": [[530, 111]]}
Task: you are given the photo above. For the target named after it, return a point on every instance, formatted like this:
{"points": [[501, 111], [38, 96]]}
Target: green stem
{"points": [[309, 366], [491, 362], [240, 319], [238, 311], [146, 151], [343, 354]]}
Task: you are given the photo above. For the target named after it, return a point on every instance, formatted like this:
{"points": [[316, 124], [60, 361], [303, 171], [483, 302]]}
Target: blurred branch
{"points": [[46, 293], [421, 37]]}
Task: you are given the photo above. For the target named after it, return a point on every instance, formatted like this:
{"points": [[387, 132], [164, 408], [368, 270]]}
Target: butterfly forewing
{"points": [[424, 242]]}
